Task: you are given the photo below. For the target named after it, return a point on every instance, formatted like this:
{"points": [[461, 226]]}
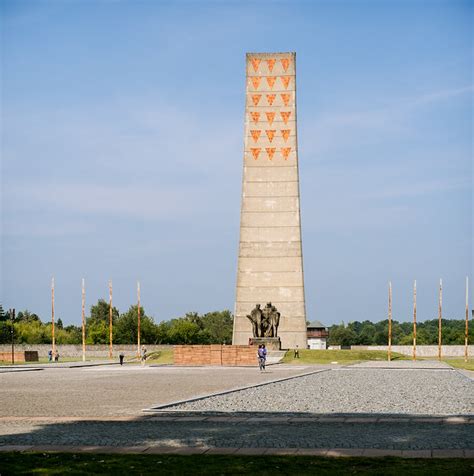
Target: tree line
{"points": [[211, 328], [370, 333]]}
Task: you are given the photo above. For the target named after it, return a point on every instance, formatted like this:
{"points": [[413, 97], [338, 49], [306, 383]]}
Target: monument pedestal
{"points": [[271, 343]]}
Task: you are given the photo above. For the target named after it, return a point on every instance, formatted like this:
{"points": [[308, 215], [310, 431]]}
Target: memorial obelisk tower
{"points": [[270, 266]]}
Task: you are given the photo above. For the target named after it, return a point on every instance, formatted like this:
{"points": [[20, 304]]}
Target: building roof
{"points": [[316, 324]]}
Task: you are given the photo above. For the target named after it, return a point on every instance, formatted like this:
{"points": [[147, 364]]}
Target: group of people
{"points": [[53, 355]]}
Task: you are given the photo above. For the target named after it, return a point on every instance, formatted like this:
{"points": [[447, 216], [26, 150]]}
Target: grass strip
{"points": [[86, 464], [313, 356]]}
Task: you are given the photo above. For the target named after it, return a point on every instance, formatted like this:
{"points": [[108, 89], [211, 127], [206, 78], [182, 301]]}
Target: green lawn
{"points": [[164, 356], [460, 364], [86, 464], [308, 356]]}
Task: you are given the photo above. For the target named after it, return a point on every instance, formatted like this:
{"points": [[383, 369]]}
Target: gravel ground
{"points": [[394, 391]]}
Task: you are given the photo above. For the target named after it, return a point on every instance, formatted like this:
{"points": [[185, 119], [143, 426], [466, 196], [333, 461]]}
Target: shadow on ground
{"points": [[250, 430]]}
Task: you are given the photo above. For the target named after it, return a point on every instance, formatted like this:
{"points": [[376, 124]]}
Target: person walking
{"points": [[121, 357], [50, 355], [297, 352], [143, 355]]}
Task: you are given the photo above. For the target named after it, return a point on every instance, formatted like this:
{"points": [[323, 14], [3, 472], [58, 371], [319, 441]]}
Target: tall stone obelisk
{"points": [[270, 266]]}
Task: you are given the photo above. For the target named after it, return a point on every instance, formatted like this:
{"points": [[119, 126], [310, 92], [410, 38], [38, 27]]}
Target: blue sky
{"points": [[122, 145]]}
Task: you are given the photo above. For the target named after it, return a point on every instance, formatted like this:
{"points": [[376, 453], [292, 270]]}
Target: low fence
{"points": [[228, 355], [421, 350], [75, 351]]}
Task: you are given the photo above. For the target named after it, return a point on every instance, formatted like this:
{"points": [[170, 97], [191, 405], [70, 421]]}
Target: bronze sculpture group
{"points": [[264, 321]]}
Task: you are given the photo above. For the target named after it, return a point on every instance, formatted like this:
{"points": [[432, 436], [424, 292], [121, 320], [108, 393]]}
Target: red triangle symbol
{"points": [[270, 98], [255, 116], [255, 135], [255, 63], [285, 80], [271, 64], [285, 62], [255, 152], [285, 116], [255, 81], [285, 98], [285, 133], [270, 152], [270, 117], [286, 152], [270, 135], [271, 81], [256, 99]]}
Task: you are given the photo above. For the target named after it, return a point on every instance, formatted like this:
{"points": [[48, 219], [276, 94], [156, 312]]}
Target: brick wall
{"points": [[28, 356], [227, 355]]}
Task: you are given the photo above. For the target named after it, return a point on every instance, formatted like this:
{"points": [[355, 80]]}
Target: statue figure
{"points": [[267, 328], [255, 318], [275, 321], [264, 321]]}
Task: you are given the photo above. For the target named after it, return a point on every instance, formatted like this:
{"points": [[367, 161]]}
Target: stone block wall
{"points": [[226, 355], [421, 350]]}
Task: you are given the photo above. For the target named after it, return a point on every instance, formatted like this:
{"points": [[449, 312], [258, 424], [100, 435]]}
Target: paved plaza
{"points": [[419, 410]]}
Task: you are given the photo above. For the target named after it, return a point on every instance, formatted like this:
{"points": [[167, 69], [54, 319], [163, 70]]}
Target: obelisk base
{"points": [[271, 343]]}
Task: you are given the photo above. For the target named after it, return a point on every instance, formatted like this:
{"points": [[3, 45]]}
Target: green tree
{"points": [[98, 322], [183, 331], [217, 327], [126, 327], [342, 335]]}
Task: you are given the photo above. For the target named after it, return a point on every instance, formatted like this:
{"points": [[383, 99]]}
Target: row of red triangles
{"points": [[285, 133], [285, 152], [285, 62], [270, 81], [285, 115], [285, 97]]}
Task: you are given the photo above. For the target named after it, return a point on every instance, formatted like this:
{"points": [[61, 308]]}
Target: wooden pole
{"points": [[414, 320], [52, 318], [440, 314], [110, 320], [466, 334], [389, 321], [83, 320], [139, 320]]}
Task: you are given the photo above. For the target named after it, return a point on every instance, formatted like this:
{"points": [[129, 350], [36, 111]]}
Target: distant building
{"points": [[317, 334]]}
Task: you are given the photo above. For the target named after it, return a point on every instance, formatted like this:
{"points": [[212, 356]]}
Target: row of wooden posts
{"points": [[440, 314], [84, 319], [440, 307]]}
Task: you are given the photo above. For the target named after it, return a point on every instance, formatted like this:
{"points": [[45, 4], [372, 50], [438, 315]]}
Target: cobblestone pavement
{"points": [[248, 432], [88, 415]]}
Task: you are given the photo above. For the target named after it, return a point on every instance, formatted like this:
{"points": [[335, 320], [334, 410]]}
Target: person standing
{"points": [[121, 357], [143, 355], [260, 358], [50, 355]]}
